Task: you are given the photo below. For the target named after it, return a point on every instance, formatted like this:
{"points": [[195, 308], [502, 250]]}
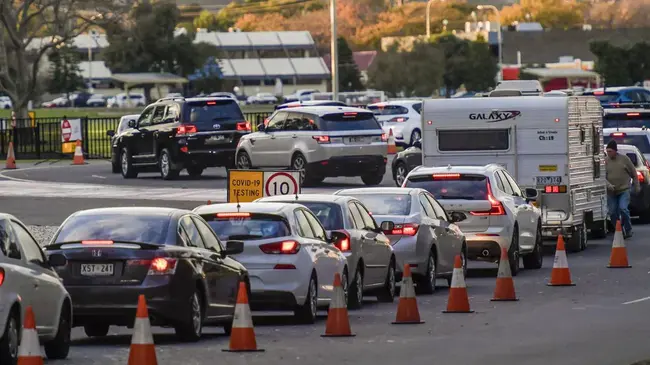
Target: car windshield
{"points": [[463, 187], [238, 226], [206, 113], [349, 121], [386, 204], [329, 214], [640, 141], [117, 227], [604, 98]]}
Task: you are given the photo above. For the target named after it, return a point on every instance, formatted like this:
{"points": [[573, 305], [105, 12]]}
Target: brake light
{"points": [[2, 276], [384, 137], [322, 139], [399, 119], [349, 114], [617, 134], [233, 215], [266, 121], [244, 126], [555, 189], [599, 93], [211, 103], [640, 176], [496, 207], [162, 266], [633, 114], [446, 176], [186, 129], [281, 248], [407, 229], [344, 243], [97, 242]]}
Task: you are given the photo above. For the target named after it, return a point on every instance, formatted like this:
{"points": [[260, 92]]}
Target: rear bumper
{"points": [[277, 289], [207, 158], [486, 246], [350, 166], [405, 250]]}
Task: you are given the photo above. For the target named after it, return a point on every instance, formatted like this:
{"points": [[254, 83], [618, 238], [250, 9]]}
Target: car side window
{"points": [[210, 239], [276, 123], [303, 224], [437, 208], [418, 108], [307, 123], [145, 117], [515, 188], [368, 221], [292, 123], [356, 216], [8, 243], [173, 111], [426, 206], [31, 251], [158, 114], [504, 182], [192, 233], [317, 227]]}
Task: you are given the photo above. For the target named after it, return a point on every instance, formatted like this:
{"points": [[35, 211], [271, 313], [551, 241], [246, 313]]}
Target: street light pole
{"points": [[499, 37], [335, 52], [429, 16]]}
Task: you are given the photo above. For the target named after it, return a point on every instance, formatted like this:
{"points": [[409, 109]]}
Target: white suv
{"points": [[27, 278], [320, 142], [497, 212], [403, 117], [639, 137]]}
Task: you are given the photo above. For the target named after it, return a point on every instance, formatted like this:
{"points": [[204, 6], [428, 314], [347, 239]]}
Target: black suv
{"points": [[173, 134]]}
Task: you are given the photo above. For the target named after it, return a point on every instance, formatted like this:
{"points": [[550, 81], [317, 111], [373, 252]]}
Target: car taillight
{"points": [[2, 276], [321, 139], [407, 229], [399, 119], [244, 126], [446, 176], [344, 243], [281, 248], [639, 174], [555, 189], [233, 215], [496, 207], [384, 137], [617, 134], [186, 129], [162, 266]]}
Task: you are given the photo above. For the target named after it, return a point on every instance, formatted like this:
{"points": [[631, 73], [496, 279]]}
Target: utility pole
{"points": [[335, 52]]}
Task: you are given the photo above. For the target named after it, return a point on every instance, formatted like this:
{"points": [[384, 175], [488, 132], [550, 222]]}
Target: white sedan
{"points": [[262, 98], [287, 252]]}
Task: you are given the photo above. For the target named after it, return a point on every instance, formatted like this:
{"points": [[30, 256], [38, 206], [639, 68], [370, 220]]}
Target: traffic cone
{"points": [[11, 158], [458, 301], [209, 202], [505, 289], [338, 322], [618, 258], [29, 352], [560, 275], [142, 351], [407, 308], [78, 158], [392, 148], [242, 337]]}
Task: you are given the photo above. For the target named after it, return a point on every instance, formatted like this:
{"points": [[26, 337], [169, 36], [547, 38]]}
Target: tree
{"points": [[349, 75], [456, 68], [65, 74], [211, 22], [561, 14], [482, 67], [21, 49], [611, 63]]}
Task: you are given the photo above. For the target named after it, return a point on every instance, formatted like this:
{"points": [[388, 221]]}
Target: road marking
{"points": [[99, 177], [637, 300]]}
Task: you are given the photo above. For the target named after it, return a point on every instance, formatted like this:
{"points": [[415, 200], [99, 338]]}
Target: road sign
{"points": [[66, 130], [70, 134], [281, 183], [245, 186]]}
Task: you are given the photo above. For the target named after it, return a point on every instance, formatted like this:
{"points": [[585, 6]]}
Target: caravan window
{"points": [[474, 140]]}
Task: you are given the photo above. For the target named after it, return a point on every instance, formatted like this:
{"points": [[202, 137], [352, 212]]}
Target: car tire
{"points": [[387, 293], [190, 330], [355, 296], [96, 330], [400, 173], [426, 284], [373, 179], [116, 168], [195, 171], [243, 161], [126, 165], [10, 340], [59, 347], [346, 285], [166, 165], [299, 163], [307, 312], [415, 136], [513, 252], [535, 259]]}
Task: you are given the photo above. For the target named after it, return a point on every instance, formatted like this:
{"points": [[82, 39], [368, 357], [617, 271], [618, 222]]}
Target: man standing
{"points": [[620, 170]]}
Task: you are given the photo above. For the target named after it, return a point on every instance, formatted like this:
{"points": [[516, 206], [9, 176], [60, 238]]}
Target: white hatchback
{"points": [[27, 278], [290, 258], [403, 117]]}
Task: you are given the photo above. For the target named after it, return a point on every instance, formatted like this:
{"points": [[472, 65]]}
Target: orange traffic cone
{"points": [[338, 322], [209, 202], [78, 158], [29, 352], [142, 351], [392, 148], [242, 338], [458, 301], [505, 289], [560, 275], [11, 158], [407, 308], [618, 258]]}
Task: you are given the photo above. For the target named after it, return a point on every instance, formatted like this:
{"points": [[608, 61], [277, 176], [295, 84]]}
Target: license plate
{"points": [[548, 180], [216, 139], [357, 139], [97, 269]]}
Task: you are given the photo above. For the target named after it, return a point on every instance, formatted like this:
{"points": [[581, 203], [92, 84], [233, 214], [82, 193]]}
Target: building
{"points": [[363, 59]]}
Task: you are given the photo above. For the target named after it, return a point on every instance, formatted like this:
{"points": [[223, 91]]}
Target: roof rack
{"points": [[170, 98]]}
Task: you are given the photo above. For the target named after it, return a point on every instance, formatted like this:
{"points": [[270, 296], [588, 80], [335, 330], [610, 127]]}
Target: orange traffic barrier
{"points": [[560, 275], [11, 158], [392, 148], [242, 337], [78, 158], [142, 351], [407, 308], [618, 258], [458, 301], [338, 322], [505, 289], [29, 352]]}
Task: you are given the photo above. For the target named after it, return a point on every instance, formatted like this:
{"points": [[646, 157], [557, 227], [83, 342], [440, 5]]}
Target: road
{"points": [[585, 324]]}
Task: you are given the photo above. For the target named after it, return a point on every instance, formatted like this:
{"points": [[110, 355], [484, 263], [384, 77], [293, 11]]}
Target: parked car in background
{"points": [[96, 101], [296, 104], [28, 278], [135, 100], [299, 95], [405, 161], [223, 95], [5, 102], [401, 116], [123, 125], [262, 98]]}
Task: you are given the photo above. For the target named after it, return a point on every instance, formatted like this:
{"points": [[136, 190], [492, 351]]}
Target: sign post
{"points": [[245, 186]]}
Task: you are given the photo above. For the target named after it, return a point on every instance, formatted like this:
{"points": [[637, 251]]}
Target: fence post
{"points": [[85, 135], [37, 141]]}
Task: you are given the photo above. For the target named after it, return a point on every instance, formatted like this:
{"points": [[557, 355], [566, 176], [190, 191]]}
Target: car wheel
{"points": [[191, 329], [415, 136], [128, 170], [96, 330], [355, 300], [10, 339], [346, 285], [400, 173], [243, 161], [513, 252], [195, 171], [307, 312], [166, 165], [387, 293], [59, 347], [426, 284], [373, 179], [535, 259], [299, 163]]}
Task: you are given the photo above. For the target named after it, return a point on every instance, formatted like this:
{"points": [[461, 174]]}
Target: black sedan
{"points": [[172, 256], [405, 161]]}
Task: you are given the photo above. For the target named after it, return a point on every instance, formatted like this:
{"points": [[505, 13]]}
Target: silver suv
{"points": [[320, 142]]}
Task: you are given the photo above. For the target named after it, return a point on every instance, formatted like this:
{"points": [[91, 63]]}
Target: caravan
{"points": [[553, 144]]}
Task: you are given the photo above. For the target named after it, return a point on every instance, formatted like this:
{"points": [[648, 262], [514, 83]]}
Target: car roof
{"points": [[615, 89], [322, 110], [627, 147], [626, 130], [305, 198], [265, 208], [313, 103], [149, 211], [382, 190], [397, 102], [459, 169], [625, 110]]}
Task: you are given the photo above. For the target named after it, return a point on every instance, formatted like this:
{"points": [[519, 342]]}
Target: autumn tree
{"points": [[560, 14], [212, 22], [618, 14]]}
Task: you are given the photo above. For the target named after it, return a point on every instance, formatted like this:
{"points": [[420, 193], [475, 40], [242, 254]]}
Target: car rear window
{"points": [[451, 186], [626, 120], [116, 227], [474, 140], [640, 141], [329, 214], [247, 226], [209, 112], [386, 204], [388, 109], [607, 97], [348, 121]]}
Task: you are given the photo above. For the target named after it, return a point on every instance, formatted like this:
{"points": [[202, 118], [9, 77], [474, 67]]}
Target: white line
{"points": [[99, 177], [637, 301]]}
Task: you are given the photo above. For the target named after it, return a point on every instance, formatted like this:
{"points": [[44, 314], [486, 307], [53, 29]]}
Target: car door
{"points": [[315, 249], [453, 235], [287, 140], [444, 242], [149, 133], [330, 259], [375, 252], [264, 144], [139, 149], [527, 216]]}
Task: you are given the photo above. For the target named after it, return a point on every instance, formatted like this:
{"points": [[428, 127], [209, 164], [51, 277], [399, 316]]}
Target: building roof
{"points": [[97, 68], [149, 78], [257, 68], [256, 40], [546, 73], [363, 59]]}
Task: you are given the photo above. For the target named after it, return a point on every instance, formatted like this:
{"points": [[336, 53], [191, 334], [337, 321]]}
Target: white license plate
{"points": [[548, 180], [358, 140], [97, 269], [216, 139]]}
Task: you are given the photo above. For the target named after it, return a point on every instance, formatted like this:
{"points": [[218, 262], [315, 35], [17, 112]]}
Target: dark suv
{"points": [[173, 134]]}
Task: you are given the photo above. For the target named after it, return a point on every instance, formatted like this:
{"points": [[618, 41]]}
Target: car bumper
{"points": [[350, 166], [207, 158], [277, 289], [486, 246], [405, 250]]}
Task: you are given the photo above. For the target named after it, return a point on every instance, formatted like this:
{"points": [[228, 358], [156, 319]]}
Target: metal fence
{"points": [[42, 138]]}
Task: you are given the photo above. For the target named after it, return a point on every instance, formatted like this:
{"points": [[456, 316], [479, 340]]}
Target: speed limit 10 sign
{"points": [[281, 183]]}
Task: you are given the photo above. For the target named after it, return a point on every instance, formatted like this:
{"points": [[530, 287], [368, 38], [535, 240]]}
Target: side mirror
{"points": [[457, 217], [131, 123], [57, 260], [417, 144], [261, 127], [110, 133], [387, 226], [531, 194], [233, 248], [336, 236]]}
